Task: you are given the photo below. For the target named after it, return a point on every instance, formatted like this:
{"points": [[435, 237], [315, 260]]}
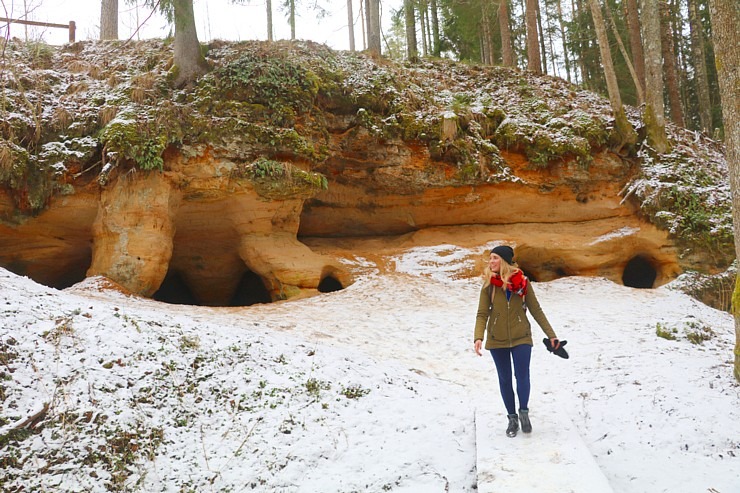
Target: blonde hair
{"points": [[506, 270]]}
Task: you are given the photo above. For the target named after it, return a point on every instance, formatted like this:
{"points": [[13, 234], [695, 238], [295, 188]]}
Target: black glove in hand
{"points": [[560, 351]]}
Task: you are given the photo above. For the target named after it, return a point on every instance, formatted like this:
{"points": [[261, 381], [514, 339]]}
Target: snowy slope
{"points": [[373, 388]]}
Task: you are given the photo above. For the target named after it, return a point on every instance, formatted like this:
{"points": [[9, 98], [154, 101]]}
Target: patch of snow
{"points": [[614, 235], [372, 388]]}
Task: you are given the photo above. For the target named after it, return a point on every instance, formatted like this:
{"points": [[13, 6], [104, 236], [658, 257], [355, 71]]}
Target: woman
{"points": [[502, 313]]}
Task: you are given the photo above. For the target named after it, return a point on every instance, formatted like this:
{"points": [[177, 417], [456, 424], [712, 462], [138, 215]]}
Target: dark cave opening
{"points": [[639, 273], [174, 290], [251, 290], [330, 284], [55, 275]]}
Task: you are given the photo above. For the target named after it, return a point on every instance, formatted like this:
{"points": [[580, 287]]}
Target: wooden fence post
{"points": [[71, 26]]}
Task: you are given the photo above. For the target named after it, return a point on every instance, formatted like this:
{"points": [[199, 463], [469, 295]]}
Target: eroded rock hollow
{"points": [[195, 234]]}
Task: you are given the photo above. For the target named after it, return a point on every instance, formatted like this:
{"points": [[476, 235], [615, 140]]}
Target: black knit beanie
{"points": [[505, 252]]}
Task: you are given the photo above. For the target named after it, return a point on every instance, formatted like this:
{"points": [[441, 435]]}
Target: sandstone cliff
{"points": [[272, 175]]}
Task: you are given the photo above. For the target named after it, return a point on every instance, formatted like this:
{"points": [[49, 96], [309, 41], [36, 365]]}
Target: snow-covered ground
{"points": [[373, 388]]}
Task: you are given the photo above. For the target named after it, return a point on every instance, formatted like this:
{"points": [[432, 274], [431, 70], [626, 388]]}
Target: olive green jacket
{"points": [[505, 321]]}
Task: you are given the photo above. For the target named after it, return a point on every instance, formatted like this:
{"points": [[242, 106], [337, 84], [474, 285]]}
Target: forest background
{"points": [[477, 31]]}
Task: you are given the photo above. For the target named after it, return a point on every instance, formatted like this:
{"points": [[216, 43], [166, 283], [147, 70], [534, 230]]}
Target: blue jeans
{"points": [[521, 356]]}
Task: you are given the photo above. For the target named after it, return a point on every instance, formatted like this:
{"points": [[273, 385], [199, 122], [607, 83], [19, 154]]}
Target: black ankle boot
{"points": [[513, 425], [524, 418]]}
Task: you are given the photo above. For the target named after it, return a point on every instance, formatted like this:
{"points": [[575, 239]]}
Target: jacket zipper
{"points": [[508, 319]]}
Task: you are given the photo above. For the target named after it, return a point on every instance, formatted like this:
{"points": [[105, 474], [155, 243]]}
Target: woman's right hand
{"points": [[478, 346]]}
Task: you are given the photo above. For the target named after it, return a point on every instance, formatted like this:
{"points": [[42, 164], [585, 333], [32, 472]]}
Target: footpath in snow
{"points": [[551, 459]]}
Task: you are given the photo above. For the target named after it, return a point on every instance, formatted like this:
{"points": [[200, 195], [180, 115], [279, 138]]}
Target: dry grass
{"points": [[77, 87], [97, 72], [6, 159], [138, 95], [107, 113], [144, 81], [141, 86], [78, 67], [61, 118]]}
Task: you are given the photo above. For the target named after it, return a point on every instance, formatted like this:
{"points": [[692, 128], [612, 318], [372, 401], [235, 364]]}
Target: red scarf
{"points": [[517, 283]]}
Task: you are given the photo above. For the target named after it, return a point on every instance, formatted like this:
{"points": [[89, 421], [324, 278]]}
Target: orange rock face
{"points": [[194, 234]]}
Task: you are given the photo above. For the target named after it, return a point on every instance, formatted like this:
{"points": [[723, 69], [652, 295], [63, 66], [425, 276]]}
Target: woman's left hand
{"points": [[555, 343]]}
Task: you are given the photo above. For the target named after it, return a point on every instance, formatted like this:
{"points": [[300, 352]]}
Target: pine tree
{"points": [[670, 71], [561, 23], [701, 79], [624, 135], [534, 62], [633, 26], [410, 17], [436, 50], [507, 52]]}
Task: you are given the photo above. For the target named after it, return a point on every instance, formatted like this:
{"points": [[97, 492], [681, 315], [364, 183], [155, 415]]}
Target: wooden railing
{"points": [[71, 26]]}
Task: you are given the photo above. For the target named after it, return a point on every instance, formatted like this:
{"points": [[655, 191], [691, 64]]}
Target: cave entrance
{"points": [[639, 273], [174, 290], [330, 284], [251, 290]]}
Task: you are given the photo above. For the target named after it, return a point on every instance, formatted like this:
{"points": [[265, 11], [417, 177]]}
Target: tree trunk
{"points": [[189, 61], [633, 25], [534, 63], [422, 25], [543, 51], [410, 17], [562, 38], [585, 79], [725, 16], [507, 52], [363, 24], [669, 64], [700, 68], [486, 43], [373, 27], [654, 111], [435, 29], [625, 55], [291, 19], [268, 5], [350, 26], [109, 19], [550, 30], [624, 135]]}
